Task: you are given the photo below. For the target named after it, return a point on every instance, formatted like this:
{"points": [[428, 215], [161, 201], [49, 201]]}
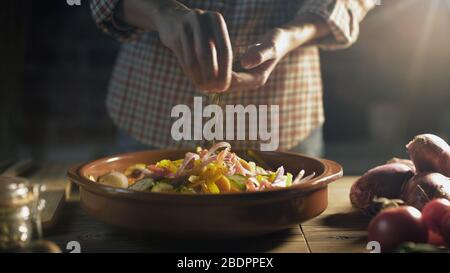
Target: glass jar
{"points": [[20, 209]]}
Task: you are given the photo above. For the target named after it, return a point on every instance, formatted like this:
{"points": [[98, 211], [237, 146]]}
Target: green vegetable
{"points": [[142, 185], [238, 181], [420, 248], [288, 179], [162, 187], [187, 190]]}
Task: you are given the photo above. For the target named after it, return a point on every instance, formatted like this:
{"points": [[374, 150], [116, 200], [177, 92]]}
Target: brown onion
{"points": [[407, 162], [425, 187], [430, 153], [383, 181]]}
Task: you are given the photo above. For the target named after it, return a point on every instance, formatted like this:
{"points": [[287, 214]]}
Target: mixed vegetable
{"points": [[417, 181], [409, 198], [215, 170]]}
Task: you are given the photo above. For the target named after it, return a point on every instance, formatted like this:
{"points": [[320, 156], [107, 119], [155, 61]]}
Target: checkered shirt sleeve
{"points": [[104, 17], [343, 18]]}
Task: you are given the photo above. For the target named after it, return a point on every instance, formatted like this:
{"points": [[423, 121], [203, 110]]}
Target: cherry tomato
{"points": [[433, 212], [394, 226], [445, 228]]}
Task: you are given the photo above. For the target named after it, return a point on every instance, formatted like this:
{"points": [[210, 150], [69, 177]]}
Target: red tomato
{"points": [[445, 228], [394, 226], [433, 212], [435, 238]]}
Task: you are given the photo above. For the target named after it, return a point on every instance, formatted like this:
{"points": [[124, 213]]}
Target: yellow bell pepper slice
{"points": [[212, 187]]}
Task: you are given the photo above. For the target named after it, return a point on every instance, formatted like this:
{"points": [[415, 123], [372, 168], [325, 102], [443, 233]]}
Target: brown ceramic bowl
{"points": [[206, 215]]}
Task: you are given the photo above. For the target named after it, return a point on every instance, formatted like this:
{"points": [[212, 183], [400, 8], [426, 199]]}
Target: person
{"points": [[173, 51]]}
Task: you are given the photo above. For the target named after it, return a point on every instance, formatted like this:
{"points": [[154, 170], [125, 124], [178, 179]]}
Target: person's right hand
{"points": [[200, 41]]}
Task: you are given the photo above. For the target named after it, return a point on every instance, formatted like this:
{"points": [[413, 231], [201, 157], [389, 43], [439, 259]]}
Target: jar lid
{"points": [[14, 191]]}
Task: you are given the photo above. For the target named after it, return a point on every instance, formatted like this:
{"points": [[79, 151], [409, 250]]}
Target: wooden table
{"points": [[338, 229]]}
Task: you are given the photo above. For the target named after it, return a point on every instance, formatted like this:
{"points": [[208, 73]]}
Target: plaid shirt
{"points": [[147, 81]]}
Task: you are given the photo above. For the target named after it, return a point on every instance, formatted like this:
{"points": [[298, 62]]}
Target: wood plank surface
{"points": [[340, 228], [95, 236]]}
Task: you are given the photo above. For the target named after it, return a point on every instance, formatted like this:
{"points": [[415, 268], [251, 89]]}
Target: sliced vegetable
{"points": [[142, 185], [298, 177], [279, 175], [186, 190], [288, 179], [214, 148], [114, 179], [258, 160], [214, 170], [238, 181], [223, 184], [212, 187], [304, 179], [188, 159], [162, 187], [169, 165]]}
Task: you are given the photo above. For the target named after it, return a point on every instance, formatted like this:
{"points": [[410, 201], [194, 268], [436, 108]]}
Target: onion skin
{"points": [[425, 187], [382, 181], [430, 153], [407, 162]]}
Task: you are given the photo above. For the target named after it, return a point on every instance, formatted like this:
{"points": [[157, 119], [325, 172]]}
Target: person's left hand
{"points": [[260, 60]]}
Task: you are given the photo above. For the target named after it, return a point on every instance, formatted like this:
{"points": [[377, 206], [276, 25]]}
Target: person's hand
{"points": [[200, 41], [259, 61]]}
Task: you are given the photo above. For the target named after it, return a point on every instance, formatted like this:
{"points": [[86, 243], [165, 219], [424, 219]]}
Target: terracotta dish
{"points": [[206, 215]]}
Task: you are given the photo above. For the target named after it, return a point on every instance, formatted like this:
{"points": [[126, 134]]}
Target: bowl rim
{"points": [[332, 172]]}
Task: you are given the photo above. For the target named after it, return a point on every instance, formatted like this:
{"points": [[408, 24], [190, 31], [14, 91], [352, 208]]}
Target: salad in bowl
{"points": [[206, 171]]}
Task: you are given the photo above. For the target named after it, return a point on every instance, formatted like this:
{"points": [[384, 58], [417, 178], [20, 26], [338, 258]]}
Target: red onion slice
{"points": [[307, 178], [214, 148], [279, 175], [187, 159], [298, 177]]}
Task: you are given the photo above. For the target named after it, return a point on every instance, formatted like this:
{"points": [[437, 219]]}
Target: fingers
{"points": [[258, 55], [224, 52], [252, 79], [188, 56], [260, 60], [274, 45], [206, 51]]}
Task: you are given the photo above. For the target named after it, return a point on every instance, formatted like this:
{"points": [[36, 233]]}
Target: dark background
{"points": [[55, 65]]}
